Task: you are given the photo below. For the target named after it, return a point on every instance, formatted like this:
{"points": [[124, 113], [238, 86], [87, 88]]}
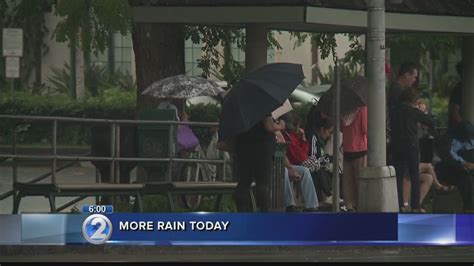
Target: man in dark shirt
{"points": [[406, 146], [254, 150], [407, 75]]}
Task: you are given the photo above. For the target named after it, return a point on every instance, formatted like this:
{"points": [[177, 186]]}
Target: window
{"points": [[122, 54], [192, 52]]}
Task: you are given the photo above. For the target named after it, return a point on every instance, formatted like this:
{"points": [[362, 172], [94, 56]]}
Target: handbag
{"points": [[312, 163], [186, 138]]}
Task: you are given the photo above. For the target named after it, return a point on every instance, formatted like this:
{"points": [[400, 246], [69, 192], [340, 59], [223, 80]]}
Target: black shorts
{"points": [[351, 156]]}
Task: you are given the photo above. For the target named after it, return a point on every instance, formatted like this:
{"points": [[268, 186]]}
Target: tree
{"points": [[159, 53], [89, 25], [159, 48]]}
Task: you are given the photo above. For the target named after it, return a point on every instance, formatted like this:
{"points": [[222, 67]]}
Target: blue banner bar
{"points": [[254, 227], [247, 229]]}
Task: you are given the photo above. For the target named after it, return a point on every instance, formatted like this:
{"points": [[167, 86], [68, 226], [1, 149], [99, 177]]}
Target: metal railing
{"points": [[114, 158]]}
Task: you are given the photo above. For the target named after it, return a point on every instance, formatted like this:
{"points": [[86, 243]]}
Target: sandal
{"points": [[419, 210], [445, 189]]}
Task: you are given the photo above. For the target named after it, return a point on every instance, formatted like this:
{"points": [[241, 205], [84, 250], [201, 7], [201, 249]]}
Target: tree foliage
{"points": [[217, 61], [91, 23]]}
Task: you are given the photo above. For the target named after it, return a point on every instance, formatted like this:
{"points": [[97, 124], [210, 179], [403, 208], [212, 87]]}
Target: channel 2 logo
{"points": [[97, 229]]}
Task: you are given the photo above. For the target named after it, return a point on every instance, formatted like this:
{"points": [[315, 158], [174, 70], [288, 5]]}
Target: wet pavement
{"points": [[236, 254], [83, 173]]}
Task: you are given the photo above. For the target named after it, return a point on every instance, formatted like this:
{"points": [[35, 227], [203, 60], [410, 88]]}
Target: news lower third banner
{"points": [[237, 229]]}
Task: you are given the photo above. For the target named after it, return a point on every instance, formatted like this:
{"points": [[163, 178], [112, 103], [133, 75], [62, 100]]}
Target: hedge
{"points": [[113, 104]]}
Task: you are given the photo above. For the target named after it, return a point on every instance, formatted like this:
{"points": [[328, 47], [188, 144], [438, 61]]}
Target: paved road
{"points": [[236, 254]]}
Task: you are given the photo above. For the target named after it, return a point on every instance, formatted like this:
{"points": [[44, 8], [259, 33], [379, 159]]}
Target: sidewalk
{"points": [[81, 173], [235, 254]]}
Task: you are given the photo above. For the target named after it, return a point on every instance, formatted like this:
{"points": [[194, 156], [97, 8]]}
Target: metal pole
{"points": [[53, 166], [222, 156], [15, 167], [376, 76], [117, 153], [112, 153], [97, 181], [335, 140], [170, 152], [12, 82]]}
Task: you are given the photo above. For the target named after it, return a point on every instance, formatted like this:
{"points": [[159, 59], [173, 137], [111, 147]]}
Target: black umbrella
{"points": [[353, 95], [256, 95]]}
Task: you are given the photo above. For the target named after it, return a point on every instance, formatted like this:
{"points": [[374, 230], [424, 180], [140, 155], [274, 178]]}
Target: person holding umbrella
{"points": [[254, 152], [354, 131], [354, 143], [246, 119]]}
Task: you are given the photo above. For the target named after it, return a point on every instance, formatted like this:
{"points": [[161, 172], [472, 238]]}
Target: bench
{"points": [[194, 188], [51, 191]]}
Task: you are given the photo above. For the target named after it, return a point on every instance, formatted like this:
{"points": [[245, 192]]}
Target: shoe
{"points": [[345, 209], [291, 208], [351, 210], [444, 189], [419, 210], [328, 200], [310, 210]]}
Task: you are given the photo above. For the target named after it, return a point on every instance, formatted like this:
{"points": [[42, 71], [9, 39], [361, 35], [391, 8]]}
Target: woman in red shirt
{"points": [[354, 130]]}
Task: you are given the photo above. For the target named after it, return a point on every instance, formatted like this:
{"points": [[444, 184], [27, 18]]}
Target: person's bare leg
{"points": [[358, 164], [429, 169], [348, 184], [426, 180], [406, 191]]}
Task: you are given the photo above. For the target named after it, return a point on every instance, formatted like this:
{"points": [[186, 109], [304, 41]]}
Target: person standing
{"points": [[406, 145], [254, 150], [406, 78], [354, 143]]}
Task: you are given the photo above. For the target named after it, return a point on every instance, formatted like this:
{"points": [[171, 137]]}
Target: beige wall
{"points": [[58, 53], [291, 54], [302, 54]]}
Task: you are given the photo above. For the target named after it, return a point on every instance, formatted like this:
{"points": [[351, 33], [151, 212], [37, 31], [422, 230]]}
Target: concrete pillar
{"points": [[377, 183], [376, 76], [468, 78], [256, 46]]}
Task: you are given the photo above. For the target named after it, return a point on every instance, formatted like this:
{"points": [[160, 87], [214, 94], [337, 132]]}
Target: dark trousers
{"points": [[253, 166], [459, 177], [408, 161]]}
